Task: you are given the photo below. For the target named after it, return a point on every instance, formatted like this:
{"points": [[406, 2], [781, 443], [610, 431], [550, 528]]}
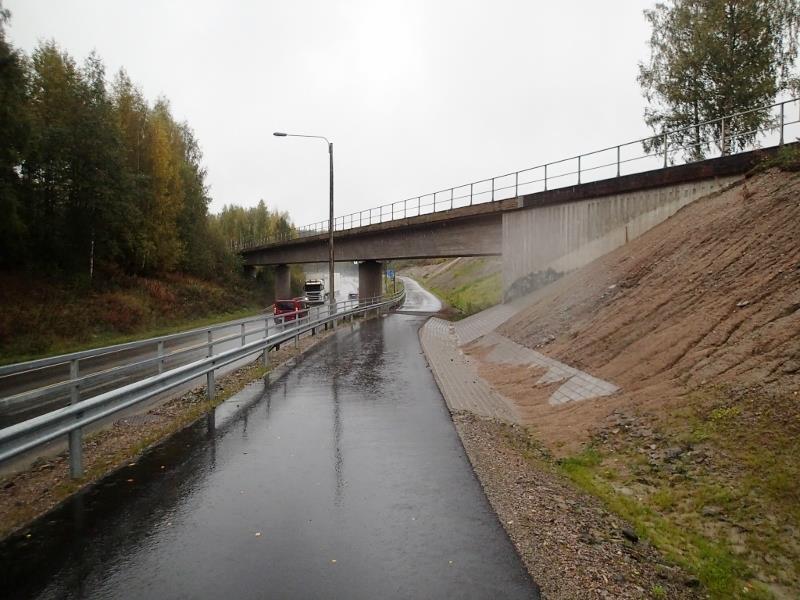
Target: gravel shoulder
{"points": [[573, 547]]}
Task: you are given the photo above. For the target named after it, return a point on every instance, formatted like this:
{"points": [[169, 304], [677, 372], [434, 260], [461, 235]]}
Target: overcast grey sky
{"points": [[416, 96]]}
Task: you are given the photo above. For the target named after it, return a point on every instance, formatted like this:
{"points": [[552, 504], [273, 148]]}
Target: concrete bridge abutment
{"points": [[542, 243]]}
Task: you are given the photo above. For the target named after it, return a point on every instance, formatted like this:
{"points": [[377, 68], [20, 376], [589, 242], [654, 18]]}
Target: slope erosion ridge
{"points": [[712, 295]]}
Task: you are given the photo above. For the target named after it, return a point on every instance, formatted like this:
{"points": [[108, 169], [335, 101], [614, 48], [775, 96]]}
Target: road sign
{"points": [[390, 273]]}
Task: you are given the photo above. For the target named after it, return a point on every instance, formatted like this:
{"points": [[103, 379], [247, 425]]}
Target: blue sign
{"points": [[390, 273]]}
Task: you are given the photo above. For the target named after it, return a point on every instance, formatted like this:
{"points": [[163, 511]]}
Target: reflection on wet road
{"points": [[344, 479]]}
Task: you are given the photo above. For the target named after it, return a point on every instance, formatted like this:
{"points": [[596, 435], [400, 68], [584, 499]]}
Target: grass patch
{"points": [[727, 506], [474, 296], [43, 317], [720, 571]]}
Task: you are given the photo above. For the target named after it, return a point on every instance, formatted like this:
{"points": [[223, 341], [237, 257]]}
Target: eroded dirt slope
{"points": [[698, 322], [712, 295]]}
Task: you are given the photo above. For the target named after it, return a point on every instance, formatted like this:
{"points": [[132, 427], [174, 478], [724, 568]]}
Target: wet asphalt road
{"points": [[418, 299], [344, 479]]}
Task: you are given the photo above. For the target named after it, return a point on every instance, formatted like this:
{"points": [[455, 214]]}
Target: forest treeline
{"points": [[95, 180]]}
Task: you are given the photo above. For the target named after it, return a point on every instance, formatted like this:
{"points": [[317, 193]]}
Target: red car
{"points": [[289, 310]]}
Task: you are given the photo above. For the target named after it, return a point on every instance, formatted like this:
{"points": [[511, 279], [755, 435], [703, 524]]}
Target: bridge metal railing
{"points": [[645, 154], [69, 420]]}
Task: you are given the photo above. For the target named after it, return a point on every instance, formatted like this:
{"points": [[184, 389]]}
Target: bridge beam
{"points": [[370, 282], [283, 282]]}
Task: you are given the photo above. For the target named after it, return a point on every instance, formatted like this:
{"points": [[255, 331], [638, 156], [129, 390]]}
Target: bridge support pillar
{"points": [[283, 288], [370, 282]]}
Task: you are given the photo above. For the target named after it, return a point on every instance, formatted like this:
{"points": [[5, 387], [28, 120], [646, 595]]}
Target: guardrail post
{"points": [[210, 384], [516, 184], [243, 335], [405, 212], [545, 178], [266, 348], [722, 138], [160, 357], [392, 218], [470, 193], [617, 161], [492, 189], [579, 170], [782, 120], [75, 448], [666, 142], [451, 198]]}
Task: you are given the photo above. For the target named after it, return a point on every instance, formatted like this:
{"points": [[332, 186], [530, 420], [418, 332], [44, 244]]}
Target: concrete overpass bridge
{"points": [[540, 232], [540, 235]]}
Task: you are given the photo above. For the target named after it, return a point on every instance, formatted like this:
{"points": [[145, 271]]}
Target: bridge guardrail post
{"points": [[618, 152], [666, 142], [451, 198], [722, 137], [516, 184], [470, 193], [243, 334], [492, 189], [210, 384], [76, 435], [579, 169], [783, 104], [545, 177]]}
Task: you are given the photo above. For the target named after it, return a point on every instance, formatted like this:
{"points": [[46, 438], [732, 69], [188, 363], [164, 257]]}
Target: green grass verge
{"points": [[474, 296], [722, 573]]}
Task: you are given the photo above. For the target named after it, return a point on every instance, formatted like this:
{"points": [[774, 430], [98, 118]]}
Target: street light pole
{"points": [[332, 293], [330, 233]]}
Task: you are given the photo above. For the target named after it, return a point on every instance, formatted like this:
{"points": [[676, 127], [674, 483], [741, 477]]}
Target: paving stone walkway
{"points": [[457, 375], [577, 385], [458, 381], [481, 323]]}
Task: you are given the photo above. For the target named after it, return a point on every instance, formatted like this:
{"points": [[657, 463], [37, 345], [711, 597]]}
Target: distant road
{"points": [[15, 384], [418, 299]]}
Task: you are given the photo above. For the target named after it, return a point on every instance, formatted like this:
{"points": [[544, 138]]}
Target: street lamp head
{"points": [[279, 134]]}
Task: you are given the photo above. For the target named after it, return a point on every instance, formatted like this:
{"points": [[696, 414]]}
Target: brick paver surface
{"points": [[577, 385], [459, 382], [462, 387], [481, 323]]}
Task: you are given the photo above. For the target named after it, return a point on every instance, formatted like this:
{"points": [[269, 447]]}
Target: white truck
{"points": [[314, 291]]}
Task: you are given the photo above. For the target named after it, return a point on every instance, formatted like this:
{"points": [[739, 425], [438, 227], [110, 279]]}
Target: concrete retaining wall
{"points": [[542, 243]]}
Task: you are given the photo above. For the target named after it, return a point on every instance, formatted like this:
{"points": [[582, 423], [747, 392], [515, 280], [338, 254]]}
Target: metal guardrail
{"points": [[69, 420], [606, 163]]}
